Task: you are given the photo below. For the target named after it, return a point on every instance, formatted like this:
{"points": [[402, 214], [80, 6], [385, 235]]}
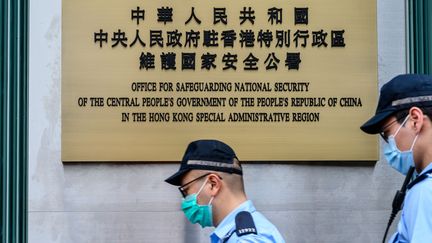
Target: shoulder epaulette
{"points": [[245, 224]]}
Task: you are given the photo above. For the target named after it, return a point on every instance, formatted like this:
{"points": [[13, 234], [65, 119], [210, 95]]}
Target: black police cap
{"points": [[402, 92], [210, 155]]}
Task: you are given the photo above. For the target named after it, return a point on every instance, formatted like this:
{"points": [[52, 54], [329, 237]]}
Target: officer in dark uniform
{"points": [[211, 183]]}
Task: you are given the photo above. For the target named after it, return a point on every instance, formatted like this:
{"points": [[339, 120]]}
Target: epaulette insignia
{"points": [[245, 224]]}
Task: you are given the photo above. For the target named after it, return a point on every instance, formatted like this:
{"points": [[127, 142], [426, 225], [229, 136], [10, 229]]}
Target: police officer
{"points": [[403, 119], [211, 183]]}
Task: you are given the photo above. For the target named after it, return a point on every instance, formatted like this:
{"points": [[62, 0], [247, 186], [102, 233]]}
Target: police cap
{"points": [[210, 155], [402, 92]]}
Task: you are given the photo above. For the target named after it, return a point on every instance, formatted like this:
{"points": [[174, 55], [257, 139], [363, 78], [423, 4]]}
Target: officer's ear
{"points": [[417, 118], [215, 183]]}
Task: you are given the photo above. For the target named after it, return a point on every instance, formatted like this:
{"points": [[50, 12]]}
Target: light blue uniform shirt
{"points": [[415, 225], [266, 231]]}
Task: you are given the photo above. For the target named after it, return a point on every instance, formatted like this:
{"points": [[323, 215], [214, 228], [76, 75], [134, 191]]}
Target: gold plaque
{"points": [[276, 80]]}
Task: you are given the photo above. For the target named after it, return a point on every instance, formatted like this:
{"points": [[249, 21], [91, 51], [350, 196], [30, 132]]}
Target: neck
{"points": [[422, 152], [420, 167], [424, 147], [426, 159], [226, 207]]}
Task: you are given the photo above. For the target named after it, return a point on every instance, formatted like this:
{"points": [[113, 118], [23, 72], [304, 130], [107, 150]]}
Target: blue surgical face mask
{"points": [[195, 213], [399, 160]]}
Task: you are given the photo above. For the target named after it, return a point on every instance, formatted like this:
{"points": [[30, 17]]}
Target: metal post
{"points": [[13, 120]]}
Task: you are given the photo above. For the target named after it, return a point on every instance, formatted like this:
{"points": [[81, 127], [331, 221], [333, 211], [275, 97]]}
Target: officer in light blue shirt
{"points": [[238, 226], [404, 120], [415, 224], [211, 183]]}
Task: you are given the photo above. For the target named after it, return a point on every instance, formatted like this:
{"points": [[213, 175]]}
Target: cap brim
{"points": [[373, 125], [176, 178]]}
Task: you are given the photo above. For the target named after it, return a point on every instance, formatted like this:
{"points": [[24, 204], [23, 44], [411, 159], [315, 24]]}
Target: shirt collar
{"points": [[228, 223], [429, 167]]}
